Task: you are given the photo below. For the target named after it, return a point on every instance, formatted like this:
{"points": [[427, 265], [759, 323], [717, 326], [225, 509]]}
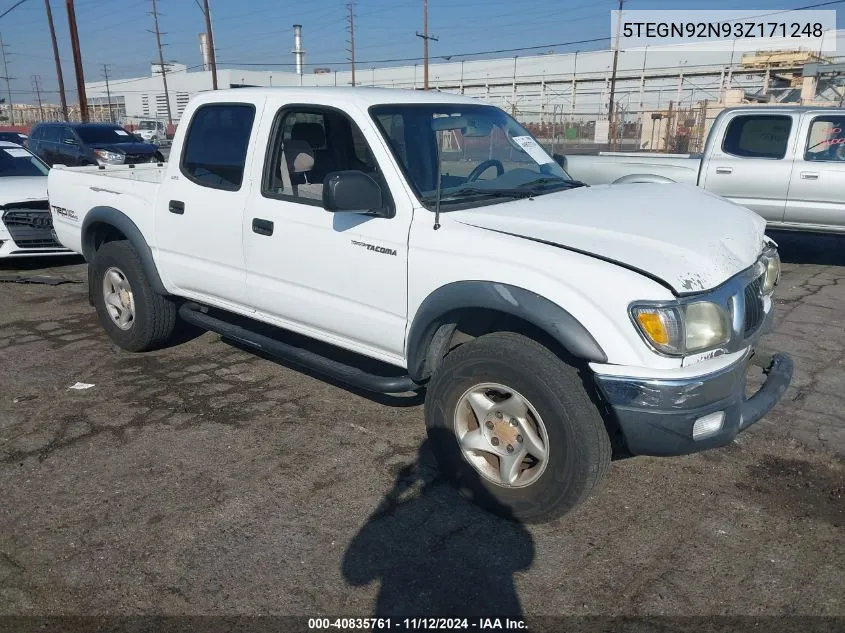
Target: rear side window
{"points": [[215, 148], [758, 136]]}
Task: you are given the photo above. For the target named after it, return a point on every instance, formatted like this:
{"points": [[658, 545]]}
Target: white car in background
{"points": [[26, 226]]}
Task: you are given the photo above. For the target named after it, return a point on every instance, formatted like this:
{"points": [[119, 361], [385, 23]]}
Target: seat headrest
{"points": [[311, 133], [298, 156]]}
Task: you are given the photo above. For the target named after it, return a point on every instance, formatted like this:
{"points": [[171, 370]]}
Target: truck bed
{"points": [[75, 191], [607, 167]]}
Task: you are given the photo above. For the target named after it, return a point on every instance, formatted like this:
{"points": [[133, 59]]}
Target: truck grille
{"points": [[753, 306], [30, 228]]}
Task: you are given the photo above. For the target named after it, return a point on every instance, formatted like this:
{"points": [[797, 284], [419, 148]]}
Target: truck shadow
{"points": [[435, 554], [809, 248]]}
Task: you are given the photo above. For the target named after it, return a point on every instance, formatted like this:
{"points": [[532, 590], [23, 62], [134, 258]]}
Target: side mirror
{"points": [[354, 191], [560, 159]]}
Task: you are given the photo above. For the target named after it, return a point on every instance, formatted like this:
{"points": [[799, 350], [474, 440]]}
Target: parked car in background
{"points": [[785, 163], [80, 144], [26, 226], [18, 138], [151, 131], [545, 318]]}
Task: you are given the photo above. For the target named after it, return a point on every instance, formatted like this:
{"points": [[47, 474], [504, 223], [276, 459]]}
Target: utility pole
{"points": [[36, 86], [425, 38], [59, 74], [350, 26], [611, 113], [8, 82], [108, 92], [210, 35], [77, 61], [161, 65]]}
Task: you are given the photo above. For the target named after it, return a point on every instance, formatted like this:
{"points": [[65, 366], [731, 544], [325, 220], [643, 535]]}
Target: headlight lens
{"points": [[772, 274], [678, 330], [111, 158], [706, 325]]}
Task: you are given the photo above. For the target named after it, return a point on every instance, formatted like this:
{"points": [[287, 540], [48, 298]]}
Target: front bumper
{"points": [[658, 417]]}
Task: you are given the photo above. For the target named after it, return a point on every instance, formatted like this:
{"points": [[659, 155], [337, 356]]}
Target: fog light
{"points": [[708, 425]]}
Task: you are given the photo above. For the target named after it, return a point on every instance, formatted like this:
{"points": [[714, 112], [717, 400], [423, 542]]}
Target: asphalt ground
{"points": [[204, 480]]}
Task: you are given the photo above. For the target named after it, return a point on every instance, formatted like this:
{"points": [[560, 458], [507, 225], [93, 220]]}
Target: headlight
{"points": [[772, 274], [678, 330], [110, 158]]}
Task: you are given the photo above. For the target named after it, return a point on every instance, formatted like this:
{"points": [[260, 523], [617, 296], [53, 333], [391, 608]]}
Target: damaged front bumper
{"points": [[687, 415]]}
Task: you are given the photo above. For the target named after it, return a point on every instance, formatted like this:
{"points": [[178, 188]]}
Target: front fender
{"points": [[439, 307], [122, 222]]}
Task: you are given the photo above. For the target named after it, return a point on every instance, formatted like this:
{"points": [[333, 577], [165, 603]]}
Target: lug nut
{"points": [[489, 425], [495, 441], [519, 439], [499, 414], [510, 448], [514, 422]]}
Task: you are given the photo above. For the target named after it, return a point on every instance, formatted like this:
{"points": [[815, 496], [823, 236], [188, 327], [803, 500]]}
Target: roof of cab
{"points": [[361, 96]]}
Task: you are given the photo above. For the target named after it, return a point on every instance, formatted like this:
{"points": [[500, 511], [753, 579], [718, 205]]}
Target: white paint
{"points": [[17, 153], [81, 386]]}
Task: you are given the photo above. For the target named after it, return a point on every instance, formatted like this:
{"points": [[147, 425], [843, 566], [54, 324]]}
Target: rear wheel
{"points": [[515, 428], [135, 317]]}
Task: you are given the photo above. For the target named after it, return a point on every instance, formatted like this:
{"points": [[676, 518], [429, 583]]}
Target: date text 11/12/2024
{"points": [[414, 624]]}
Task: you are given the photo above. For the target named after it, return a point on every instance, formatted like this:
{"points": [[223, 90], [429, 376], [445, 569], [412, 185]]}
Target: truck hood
{"points": [[689, 239], [22, 189]]}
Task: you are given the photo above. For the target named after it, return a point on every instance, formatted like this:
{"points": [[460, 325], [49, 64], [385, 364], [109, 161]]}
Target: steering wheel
{"points": [[482, 167]]}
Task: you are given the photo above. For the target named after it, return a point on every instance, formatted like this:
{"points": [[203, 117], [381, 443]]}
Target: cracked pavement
{"points": [[202, 479]]}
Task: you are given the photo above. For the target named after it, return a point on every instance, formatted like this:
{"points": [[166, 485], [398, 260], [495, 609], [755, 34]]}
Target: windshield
{"points": [[147, 125], [16, 161], [482, 154], [102, 134]]}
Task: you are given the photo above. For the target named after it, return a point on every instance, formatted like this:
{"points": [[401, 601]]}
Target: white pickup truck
{"points": [[786, 163], [548, 321]]}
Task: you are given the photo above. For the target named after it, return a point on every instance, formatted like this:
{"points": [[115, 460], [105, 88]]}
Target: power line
{"points": [[12, 8]]}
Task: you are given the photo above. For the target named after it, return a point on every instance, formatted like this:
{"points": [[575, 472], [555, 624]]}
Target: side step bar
{"points": [[344, 373]]}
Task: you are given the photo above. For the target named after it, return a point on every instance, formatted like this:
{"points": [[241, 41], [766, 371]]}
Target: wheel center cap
{"points": [[501, 433]]}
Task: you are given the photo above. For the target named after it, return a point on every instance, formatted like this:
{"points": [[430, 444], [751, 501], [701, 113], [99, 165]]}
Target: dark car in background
{"points": [[18, 138], [76, 144]]}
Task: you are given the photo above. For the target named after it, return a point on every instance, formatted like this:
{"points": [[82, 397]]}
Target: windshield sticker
{"points": [[122, 133], [17, 153], [533, 149]]}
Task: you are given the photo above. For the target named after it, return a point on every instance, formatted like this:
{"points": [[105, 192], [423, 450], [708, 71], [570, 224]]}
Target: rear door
{"points": [[200, 205], [753, 162], [817, 185]]}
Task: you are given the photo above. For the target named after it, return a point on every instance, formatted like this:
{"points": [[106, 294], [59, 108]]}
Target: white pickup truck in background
{"points": [[548, 321], [786, 163]]}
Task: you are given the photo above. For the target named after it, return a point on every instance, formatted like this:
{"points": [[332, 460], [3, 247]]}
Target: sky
{"points": [[258, 34]]}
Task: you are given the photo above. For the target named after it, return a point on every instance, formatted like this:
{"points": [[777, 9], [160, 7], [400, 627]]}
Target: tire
{"points": [[577, 446], [153, 317]]}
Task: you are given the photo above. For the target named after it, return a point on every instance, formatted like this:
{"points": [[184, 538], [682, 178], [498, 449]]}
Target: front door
{"points": [[817, 186], [199, 214], [341, 277], [753, 163]]}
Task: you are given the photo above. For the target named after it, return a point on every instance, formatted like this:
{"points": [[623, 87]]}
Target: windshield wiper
{"points": [[559, 183], [525, 190]]}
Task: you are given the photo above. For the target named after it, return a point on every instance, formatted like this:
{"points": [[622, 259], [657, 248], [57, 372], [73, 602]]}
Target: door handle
{"points": [[262, 227], [810, 175], [176, 206], [724, 170]]}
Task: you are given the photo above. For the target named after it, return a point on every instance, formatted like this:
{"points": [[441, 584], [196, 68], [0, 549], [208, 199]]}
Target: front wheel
{"points": [[514, 427]]}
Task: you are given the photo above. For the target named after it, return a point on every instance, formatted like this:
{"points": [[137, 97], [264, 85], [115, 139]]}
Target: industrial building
{"points": [[542, 89]]}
